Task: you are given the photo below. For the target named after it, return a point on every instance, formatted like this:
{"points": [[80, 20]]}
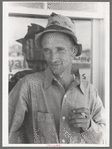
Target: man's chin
{"points": [[57, 71]]}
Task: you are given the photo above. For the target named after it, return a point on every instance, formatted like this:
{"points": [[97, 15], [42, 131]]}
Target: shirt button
{"points": [[63, 118], [65, 96], [63, 141]]}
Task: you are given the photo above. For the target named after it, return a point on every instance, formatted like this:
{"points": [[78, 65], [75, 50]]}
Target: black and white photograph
{"points": [[56, 74]]}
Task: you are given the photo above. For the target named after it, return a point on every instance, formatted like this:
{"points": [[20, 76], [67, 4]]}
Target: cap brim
{"points": [[54, 30], [39, 36]]}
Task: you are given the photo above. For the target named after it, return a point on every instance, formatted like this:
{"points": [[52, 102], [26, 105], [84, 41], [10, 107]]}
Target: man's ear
{"points": [[74, 51]]}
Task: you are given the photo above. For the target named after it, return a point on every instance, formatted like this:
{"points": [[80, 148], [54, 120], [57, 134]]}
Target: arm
{"points": [[18, 106], [96, 132]]}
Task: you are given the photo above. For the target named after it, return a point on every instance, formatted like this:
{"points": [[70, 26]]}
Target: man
{"points": [[56, 106]]}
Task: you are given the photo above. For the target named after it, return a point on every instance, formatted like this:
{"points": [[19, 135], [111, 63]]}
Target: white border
{"points": [[107, 68], [5, 75], [7, 9]]}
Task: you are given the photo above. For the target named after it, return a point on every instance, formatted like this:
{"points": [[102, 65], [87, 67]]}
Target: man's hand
{"points": [[80, 118]]}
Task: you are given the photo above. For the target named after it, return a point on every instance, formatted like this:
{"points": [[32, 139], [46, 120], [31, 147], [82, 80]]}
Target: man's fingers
{"points": [[81, 125], [81, 110], [80, 117], [76, 116], [75, 121]]}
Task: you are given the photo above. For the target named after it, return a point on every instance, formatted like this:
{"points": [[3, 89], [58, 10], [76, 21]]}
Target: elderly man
{"points": [[56, 106]]}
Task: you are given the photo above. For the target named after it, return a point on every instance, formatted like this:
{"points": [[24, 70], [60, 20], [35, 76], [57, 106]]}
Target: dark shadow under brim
{"points": [[39, 36]]}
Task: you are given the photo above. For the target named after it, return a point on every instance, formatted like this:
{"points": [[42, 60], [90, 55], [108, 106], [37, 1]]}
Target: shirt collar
{"points": [[79, 81], [82, 86], [49, 77]]}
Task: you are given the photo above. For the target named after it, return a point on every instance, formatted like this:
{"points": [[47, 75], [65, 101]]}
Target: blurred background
{"points": [[90, 20]]}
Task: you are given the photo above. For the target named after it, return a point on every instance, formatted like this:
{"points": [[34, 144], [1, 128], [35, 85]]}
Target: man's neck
{"points": [[66, 78]]}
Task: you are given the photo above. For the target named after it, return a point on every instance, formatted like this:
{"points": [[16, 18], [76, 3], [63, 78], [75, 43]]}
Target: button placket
{"points": [[65, 133], [63, 120], [63, 141], [65, 96]]}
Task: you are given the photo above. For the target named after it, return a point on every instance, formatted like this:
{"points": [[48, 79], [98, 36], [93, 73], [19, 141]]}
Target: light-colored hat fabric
{"points": [[59, 23]]}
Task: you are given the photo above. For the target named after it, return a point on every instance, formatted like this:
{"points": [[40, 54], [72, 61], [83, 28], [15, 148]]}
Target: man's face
{"points": [[58, 52]]}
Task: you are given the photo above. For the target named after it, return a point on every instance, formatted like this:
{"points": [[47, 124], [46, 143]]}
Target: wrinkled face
{"points": [[58, 51]]}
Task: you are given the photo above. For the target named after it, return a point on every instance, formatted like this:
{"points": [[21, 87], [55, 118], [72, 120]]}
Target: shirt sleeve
{"points": [[95, 134], [18, 106]]}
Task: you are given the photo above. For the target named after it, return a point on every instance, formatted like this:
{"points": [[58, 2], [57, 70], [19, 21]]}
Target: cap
{"points": [[59, 23]]}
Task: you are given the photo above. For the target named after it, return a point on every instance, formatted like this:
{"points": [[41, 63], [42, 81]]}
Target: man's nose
{"points": [[54, 57]]}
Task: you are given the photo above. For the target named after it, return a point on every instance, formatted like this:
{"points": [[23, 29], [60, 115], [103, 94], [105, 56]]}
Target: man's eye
{"points": [[60, 49], [46, 50]]}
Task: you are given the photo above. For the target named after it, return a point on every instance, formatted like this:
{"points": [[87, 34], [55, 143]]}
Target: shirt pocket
{"points": [[46, 128]]}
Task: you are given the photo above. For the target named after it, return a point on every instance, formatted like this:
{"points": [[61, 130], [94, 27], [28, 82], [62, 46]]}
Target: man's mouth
{"points": [[54, 65]]}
